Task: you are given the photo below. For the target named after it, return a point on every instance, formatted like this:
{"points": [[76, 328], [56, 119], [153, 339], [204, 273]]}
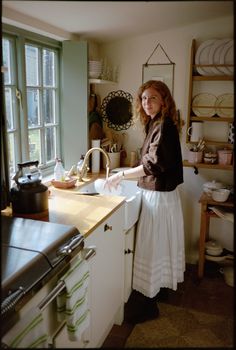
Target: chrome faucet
{"points": [[84, 165]]}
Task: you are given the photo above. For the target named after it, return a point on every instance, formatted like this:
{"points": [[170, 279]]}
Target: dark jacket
{"points": [[161, 157]]}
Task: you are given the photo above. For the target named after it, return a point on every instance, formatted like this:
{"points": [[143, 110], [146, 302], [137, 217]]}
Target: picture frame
{"points": [[163, 72]]}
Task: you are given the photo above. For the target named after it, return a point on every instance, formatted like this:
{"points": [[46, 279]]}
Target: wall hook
{"points": [[195, 170]]}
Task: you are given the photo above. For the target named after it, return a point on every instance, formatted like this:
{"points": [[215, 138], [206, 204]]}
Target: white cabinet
{"points": [[129, 256], [107, 277]]}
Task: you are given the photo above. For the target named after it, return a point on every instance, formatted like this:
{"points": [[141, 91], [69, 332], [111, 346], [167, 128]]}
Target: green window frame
{"points": [[31, 94]]}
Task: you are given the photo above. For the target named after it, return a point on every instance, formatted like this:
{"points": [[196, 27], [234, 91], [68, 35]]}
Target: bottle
{"points": [[79, 164], [59, 171]]}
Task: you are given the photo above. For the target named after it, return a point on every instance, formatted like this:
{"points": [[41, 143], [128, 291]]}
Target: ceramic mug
{"points": [[195, 131], [225, 156], [114, 160], [195, 157]]}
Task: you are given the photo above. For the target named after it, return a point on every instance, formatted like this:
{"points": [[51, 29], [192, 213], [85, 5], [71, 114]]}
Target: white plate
{"points": [[99, 185], [202, 57], [225, 100], [227, 57], [214, 55], [202, 100]]}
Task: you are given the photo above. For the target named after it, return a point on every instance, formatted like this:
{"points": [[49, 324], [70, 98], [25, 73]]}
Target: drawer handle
{"points": [[107, 227], [128, 251]]}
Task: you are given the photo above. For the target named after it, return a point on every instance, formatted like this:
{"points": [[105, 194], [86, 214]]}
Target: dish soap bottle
{"points": [[59, 171], [79, 164]]}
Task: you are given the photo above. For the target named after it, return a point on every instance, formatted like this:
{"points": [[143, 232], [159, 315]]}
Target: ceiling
{"points": [[106, 21]]}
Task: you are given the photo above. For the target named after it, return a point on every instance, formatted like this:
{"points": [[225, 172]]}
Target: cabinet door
{"points": [[107, 276], [129, 255], [61, 341]]}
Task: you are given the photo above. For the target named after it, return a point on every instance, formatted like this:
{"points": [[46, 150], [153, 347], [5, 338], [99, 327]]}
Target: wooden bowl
{"points": [[64, 184]]}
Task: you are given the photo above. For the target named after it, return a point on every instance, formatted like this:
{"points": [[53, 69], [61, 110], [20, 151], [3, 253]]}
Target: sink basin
{"points": [[131, 191]]}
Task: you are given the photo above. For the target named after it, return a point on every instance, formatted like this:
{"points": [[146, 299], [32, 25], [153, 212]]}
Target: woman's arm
{"points": [[114, 180]]}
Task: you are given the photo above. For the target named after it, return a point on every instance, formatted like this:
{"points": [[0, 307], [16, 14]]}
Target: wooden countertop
{"points": [[82, 211]]}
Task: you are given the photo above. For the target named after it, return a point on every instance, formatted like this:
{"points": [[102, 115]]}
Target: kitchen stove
{"points": [[32, 252]]}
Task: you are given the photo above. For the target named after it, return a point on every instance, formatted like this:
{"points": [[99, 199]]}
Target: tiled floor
{"points": [[210, 295]]}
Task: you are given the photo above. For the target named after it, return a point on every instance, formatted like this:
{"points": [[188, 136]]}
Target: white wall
{"points": [[129, 55]]}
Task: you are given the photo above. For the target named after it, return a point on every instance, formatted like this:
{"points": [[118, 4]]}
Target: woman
{"points": [[159, 260]]}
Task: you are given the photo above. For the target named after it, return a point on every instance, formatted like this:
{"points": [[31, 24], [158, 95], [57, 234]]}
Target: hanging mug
{"points": [[195, 131]]}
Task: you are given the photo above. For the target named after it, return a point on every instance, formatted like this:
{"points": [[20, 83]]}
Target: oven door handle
{"points": [[74, 243], [86, 254]]}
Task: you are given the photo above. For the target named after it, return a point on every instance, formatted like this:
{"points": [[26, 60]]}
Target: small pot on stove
{"points": [[29, 195]]}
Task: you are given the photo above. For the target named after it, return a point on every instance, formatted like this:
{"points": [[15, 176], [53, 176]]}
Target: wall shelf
{"points": [[197, 84], [207, 166], [100, 81], [212, 119], [213, 77]]}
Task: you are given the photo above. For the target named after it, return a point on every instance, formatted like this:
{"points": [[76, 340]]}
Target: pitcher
{"points": [[195, 131]]}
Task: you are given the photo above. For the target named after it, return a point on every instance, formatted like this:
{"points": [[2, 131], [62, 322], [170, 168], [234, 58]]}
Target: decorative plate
{"points": [[202, 57], [116, 110], [227, 57], [225, 105], [203, 105], [214, 55]]}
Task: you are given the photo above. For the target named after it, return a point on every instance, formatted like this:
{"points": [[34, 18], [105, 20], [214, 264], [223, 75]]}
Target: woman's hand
{"points": [[114, 180]]}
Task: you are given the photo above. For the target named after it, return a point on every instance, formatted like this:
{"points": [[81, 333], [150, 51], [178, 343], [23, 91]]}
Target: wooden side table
{"points": [[206, 214]]}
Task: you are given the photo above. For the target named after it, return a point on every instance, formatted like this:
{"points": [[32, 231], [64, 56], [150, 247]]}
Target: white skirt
{"points": [[159, 259]]}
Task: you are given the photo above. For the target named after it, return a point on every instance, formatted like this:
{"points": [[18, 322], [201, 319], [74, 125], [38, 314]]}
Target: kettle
{"points": [[29, 195]]}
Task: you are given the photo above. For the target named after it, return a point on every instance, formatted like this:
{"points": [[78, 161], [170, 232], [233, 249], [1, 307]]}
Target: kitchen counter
{"points": [[83, 211]]}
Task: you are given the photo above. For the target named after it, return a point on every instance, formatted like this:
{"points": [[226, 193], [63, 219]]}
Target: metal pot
{"points": [[29, 196]]}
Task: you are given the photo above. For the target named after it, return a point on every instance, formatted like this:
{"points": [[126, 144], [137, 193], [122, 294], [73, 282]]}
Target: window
{"points": [[31, 91]]}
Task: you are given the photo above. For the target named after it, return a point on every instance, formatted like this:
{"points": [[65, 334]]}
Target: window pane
{"points": [[50, 144], [33, 107], [32, 63], [11, 154], [35, 145], [48, 68], [49, 106], [7, 60], [9, 109]]}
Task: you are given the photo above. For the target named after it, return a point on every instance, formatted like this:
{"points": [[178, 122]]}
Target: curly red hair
{"points": [[168, 109]]}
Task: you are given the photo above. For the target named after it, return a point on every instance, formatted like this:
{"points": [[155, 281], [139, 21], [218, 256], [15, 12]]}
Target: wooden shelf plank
{"points": [[213, 77], [100, 81], [211, 119], [207, 166]]}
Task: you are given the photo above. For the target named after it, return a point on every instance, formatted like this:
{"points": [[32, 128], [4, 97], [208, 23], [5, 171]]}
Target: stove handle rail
{"points": [[8, 304], [74, 243], [86, 254]]}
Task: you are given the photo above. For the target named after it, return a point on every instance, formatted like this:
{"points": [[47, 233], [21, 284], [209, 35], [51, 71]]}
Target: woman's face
{"points": [[151, 102]]}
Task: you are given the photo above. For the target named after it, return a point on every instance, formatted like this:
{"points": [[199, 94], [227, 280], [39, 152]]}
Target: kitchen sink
{"points": [[130, 190]]}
